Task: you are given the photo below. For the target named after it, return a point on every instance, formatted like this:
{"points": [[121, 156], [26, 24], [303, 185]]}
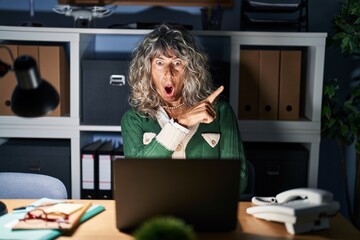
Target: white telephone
{"points": [[302, 209]]}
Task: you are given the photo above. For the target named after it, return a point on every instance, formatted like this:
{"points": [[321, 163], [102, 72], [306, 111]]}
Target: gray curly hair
{"points": [[197, 78]]}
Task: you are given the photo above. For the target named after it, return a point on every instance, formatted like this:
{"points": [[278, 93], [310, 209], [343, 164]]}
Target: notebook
{"points": [[8, 220], [203, 193]]}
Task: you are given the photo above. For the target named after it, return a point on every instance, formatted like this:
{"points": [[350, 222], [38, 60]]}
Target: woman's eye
{"points": [[178, 64], [159, 63]]}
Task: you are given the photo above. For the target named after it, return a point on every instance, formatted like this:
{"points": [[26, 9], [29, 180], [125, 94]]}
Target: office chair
{"points": [[250, 188], [30, 186]]}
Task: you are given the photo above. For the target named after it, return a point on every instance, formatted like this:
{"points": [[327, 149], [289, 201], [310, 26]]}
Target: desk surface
{"points": [[103, 226]]}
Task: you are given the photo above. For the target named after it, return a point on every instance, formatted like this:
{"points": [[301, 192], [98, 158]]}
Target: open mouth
{"points": [[169, 90]]}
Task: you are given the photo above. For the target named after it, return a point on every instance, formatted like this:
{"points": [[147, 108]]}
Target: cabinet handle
{"points": [[34, 169], [117, 80], [273, 173]]}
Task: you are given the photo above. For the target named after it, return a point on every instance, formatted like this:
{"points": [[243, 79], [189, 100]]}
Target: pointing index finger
{"points": [[215, 94]]}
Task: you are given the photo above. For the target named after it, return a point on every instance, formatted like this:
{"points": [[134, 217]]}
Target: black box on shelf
{"points": [[278, 166], [105, 91], [43, 156]]}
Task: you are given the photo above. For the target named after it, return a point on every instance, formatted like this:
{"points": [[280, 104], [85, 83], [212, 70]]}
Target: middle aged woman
{"points": [[175, 111]]}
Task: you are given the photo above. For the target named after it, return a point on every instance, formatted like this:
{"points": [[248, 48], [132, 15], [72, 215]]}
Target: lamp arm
{"points": [[4, 67], [9, 51]]}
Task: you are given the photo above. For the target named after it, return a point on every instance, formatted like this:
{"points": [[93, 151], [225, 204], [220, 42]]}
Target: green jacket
{"points": [[146, 137]]}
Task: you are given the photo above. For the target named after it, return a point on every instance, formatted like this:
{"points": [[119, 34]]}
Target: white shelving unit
{"points": [[306, 131], [83, 43]]}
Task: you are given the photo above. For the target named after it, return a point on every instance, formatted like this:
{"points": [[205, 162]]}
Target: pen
{"points": [[41, 205]]}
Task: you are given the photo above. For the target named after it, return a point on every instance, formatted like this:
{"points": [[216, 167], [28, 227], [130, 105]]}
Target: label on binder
{"points": [[105, 172], [88, 171]]}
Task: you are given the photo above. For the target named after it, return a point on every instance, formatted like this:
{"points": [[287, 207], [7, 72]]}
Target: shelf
{"points": [[97, 128], [222, 45], [280, 131], [40, 121], [224, 3]]}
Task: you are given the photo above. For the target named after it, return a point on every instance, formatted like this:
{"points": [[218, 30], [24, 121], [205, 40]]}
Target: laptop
{"points": [[203, 193]]}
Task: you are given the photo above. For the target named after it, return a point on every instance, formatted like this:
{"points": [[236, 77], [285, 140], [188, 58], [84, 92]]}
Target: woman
{"points": [[174, 113]]}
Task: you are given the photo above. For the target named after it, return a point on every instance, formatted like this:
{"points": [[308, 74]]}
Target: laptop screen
{"points": [[203, 193]]}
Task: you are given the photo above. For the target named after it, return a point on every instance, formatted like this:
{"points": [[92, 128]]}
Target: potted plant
{"points": [[165, 228], [341, 115]]}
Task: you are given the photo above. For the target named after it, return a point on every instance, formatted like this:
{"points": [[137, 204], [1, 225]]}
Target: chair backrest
{"points": [[31, 186]]}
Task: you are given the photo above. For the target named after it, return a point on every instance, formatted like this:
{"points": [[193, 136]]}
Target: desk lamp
{"points": [[33, 96]]}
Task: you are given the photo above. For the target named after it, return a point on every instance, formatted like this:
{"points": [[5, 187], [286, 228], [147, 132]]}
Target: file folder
{"points": [[7, 82], [30, 50], [290, 79], [104, 158], [249, 84], [269, 84], [89, 173], [55, 69]]}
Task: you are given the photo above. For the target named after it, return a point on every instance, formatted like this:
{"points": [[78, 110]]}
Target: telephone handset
{"points": [[301, 209], [317, 196]]}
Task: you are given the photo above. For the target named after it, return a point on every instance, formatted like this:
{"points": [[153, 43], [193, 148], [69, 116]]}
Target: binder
{"points": [[249, 84], [7, 82], [117, 155], [289, 91], [269, 84], [54, 68], [89, 174], [30, 50], [104, 158], [118, 152]]}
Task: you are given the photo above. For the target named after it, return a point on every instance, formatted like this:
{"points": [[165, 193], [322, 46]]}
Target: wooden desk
{"points": [[103, 226]]}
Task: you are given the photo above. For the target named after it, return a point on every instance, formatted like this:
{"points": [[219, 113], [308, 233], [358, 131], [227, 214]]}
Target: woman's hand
{"points": [[203, 112]]}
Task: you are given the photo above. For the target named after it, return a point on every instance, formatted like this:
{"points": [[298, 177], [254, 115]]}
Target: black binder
{"points": [[89, 172], [104, 159], [118, 152]]}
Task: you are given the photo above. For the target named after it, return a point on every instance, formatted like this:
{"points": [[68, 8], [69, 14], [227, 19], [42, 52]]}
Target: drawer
{"points": [[43, 156], [278, 166]]}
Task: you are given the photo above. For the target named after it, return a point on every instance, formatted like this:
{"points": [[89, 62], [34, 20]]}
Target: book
{"points": [[9, 219], [67, 216]]}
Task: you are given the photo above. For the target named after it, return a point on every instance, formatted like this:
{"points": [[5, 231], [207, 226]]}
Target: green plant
{"points": [[347, 27], [164, 228], [341, 116]]}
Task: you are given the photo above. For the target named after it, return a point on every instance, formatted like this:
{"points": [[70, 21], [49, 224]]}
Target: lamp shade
{"points": [[33, 96]]}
